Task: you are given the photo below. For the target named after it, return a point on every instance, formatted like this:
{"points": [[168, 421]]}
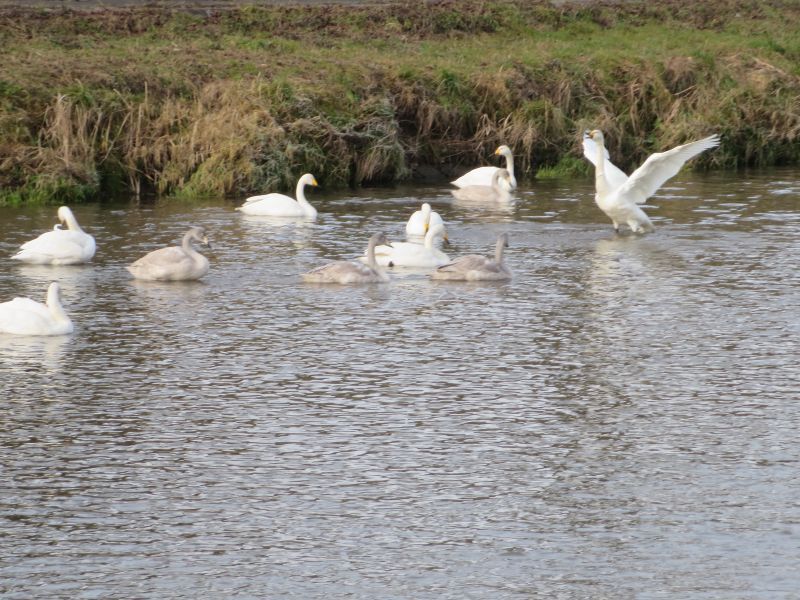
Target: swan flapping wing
{"points": [[659, 167], [614, 176]]}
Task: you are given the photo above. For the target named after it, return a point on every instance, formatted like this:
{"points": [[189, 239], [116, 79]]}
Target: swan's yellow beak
{"points": [[427, 226], [497, 152], [445, 240], [314, 181], [206, 243]]}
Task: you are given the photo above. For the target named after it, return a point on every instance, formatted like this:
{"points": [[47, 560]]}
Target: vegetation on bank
{"points": [[185, 103]]}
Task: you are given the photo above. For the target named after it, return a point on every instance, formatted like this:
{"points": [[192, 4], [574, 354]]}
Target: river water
{"points": [[620, 420]]}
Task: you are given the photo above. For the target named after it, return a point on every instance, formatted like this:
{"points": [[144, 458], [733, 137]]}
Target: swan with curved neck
{"points": [[23, 316], [175, 263], [412, 254], [60, 246], [619, 197], [475, 267], [281, 205], [422, 220], [483, 175], [347, 272], [486, 193]]}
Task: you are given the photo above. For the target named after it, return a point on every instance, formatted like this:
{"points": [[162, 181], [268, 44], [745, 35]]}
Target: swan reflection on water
{"points": [[32, 353]]}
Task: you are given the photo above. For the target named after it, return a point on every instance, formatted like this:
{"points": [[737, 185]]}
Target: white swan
{"points": [[281, 205], [422, 220], [344, 271], [175, 263], [483, 175], [486, 193], [618, 195], [475, 267], [61, 246], [411, 254], [23, 316]]}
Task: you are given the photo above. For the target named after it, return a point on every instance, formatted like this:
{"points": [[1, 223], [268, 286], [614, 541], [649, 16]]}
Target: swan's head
{"points": [[64, 214], [597, 136], [380, 239], [503, 239], [308, 179], [198, 234], [503, 151]]}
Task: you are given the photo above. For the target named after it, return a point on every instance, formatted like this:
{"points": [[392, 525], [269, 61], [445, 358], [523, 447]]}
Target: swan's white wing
{"points": [[659, 167], [615, 176], [59, 244], [479, 176], [267, 197], [23, 315], [275, 205]]}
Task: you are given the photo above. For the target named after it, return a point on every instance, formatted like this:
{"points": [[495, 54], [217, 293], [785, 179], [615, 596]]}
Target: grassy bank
{"points": [[227, 102]]}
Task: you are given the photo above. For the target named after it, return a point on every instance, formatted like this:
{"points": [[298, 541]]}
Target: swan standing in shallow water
{"points": [[68, 246], [422, 220], [411, 254], [494, 192], [475, 267], [281, 205], [618, 195], [176, 263], [344, 271], [23, 316], [483, 175]]}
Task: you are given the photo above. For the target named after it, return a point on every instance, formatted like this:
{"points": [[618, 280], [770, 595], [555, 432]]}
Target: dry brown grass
{"points": [[241, 106]]}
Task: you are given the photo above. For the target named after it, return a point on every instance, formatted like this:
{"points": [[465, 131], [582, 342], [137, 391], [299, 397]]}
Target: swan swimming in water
{"points": [[344, 271], [411, 254], [68, 246], [483, 175], [281, 205], [618, 195], [422, 220], [175, 263], [475, 267], [486, 193], [23, 316]]}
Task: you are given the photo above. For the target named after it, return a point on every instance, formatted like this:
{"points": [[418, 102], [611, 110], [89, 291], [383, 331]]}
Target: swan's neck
{"points": [[371, 262], [600, 182], [72, 222], [510, 166], [498, 250], [189, 249], [54, 305], [429, 238], [300, 194], [496, 183]]}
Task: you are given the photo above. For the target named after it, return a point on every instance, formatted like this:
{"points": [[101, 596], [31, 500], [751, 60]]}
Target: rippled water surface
{"points": [[619, 420]]}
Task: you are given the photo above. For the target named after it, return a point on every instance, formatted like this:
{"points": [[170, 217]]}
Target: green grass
{"points": [[230, 102]]}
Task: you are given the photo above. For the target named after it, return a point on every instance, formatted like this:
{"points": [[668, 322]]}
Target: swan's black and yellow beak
{"points": [[206, 243], [314, 182], [445, 240]]}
